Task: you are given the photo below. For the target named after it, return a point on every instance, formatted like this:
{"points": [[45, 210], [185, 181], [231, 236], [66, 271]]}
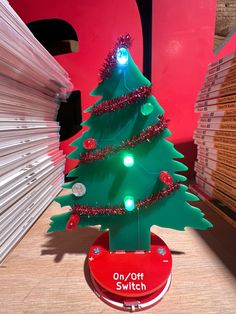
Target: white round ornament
{"points": [[78, 189]]}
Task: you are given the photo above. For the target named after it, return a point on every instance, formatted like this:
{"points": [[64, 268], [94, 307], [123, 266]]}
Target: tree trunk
{"points": [[130, 234]]}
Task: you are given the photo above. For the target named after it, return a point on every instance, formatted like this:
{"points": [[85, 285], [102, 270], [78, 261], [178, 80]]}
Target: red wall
{"points": [[182, 48], [183, 39], [183, 34]]}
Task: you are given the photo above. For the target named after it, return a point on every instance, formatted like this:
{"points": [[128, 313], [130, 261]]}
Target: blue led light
{"points": [[122, 56]]}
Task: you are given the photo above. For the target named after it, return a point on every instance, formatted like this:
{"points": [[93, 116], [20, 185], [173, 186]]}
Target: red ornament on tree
{"points": [[72, 222], [166, 178], [90, 143]]}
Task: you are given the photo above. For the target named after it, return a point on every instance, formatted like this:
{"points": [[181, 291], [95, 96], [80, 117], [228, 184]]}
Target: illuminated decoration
{"points": [[133, 195], [146, 109], [111, 60], [129, 203], [122, 56], [128, 161], [166, 178], [90, 143]]}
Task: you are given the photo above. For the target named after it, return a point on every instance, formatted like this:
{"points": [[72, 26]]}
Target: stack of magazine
{"points": [[215, 137], [31, 165]]}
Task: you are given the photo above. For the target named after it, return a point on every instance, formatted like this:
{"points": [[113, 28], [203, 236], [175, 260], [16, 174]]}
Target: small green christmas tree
{"points": [[126, 179]]}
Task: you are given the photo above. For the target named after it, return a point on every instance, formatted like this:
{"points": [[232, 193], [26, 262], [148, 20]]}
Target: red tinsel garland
{"points": [[120, 210], [146, 135], [110, 61], [120, 102]]}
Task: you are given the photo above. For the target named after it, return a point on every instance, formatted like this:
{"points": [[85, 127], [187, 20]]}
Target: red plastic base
{"points": [[130, 281]]}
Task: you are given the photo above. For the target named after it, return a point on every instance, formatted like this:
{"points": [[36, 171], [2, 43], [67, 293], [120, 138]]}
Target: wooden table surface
{"points": [[48, 273]]}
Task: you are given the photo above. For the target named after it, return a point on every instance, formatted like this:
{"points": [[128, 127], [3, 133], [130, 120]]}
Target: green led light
{"points": [[129, 203], [128, 161], [146, 109]]}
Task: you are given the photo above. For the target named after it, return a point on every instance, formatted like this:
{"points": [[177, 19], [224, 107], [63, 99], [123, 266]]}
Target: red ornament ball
{"points": [[72, 222], [166, 178], [90, 143]]}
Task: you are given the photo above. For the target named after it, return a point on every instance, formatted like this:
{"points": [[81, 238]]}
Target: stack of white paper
{"points": [[31, 164]]}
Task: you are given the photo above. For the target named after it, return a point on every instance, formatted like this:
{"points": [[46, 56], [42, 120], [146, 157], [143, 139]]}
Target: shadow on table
{"points": [[174, 252], [221, 239], [76, 242], [66, 242], [87, 274]]}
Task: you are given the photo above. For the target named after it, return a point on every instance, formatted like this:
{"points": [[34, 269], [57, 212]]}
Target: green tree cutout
{"points": [[108, 181]]}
